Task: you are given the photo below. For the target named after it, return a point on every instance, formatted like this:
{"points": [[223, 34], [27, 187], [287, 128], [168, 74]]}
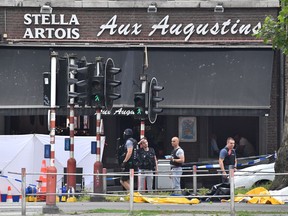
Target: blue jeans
{"points": [[176, 179]]}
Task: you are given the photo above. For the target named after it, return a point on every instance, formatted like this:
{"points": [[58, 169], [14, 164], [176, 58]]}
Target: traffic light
{"points": [[111, 83], [97, 84], [82, 92], [139, 105], [154, 99], [65, 80], [72, 81]]}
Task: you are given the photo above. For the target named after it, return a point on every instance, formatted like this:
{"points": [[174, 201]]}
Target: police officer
{"points": [[227, 157], [127, 163], [176, 161], [147, 165]]}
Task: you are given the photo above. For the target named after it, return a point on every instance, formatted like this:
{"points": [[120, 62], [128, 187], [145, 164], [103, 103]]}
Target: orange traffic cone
{"points": [[43, 178], [42, 183], [9, 195]]}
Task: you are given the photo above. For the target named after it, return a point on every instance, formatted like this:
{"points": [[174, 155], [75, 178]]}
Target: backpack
{"points": [[121, 152], [134, 156]]}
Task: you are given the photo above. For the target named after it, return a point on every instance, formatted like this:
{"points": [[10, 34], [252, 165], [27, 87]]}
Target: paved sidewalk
{"points": [[81, 208]]}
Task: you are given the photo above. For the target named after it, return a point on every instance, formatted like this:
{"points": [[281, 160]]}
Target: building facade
{"points": [[218, 77]]}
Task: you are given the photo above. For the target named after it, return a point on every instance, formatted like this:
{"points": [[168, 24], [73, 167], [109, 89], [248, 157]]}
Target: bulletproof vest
{"points": [[175, 157], [229, 159]]}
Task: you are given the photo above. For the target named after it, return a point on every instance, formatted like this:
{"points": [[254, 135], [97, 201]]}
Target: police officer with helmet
{"points": [[127, 162]]}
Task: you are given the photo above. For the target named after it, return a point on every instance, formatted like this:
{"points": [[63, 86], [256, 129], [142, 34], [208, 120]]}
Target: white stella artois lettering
{"points": [[113, 28], [51, 32]]}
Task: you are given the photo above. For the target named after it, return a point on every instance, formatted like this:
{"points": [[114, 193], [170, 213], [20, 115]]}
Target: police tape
{"points": [[33, 185], [255, 161], [249, 163], [112, 178], [17, 180]]}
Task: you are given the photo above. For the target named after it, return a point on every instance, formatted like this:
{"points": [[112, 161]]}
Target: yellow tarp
{"points": [[251, 197], [138, 198]]}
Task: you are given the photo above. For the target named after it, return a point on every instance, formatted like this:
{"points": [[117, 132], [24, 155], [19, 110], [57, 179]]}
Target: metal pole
{"points": [[51, 207], [52, 136], [143, 89], [131, 190], [71, 163], [53, 78], [195, 179], [142, 129], [71, 104], [142, 134], [98, 134], [98, 166], [142, 122], [232, 195], [104, 181], [23, 191], [53, 106], [282, 98]]}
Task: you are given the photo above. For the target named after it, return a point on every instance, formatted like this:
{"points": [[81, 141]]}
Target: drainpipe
{"points": [[282, 99]]}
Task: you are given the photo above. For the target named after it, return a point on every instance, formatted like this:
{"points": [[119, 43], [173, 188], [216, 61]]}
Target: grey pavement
{"points": [[81, 208]]}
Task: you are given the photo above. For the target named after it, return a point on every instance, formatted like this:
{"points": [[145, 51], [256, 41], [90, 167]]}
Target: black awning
{"points": [[217, 112], [22, 68], [204, 81], [216, 81], [129, 112]]}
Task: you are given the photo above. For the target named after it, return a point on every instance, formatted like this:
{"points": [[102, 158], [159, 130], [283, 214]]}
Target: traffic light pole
{"points": [[143, 78], [98, 166], [51, 207], [142, 129], [71, 163], [142, 124]]}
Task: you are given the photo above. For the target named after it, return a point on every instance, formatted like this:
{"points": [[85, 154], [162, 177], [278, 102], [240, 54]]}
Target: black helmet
{"points": [[128, 132]]}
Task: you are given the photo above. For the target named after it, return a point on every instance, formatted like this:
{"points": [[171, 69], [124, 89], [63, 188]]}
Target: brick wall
{"points": [[91, 19], [272, 120]]}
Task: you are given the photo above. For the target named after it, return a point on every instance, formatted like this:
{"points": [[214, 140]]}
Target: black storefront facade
{"points": [[214, 72]]}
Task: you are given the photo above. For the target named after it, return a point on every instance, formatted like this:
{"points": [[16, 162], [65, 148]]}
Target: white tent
{"points": [[27, 151]]}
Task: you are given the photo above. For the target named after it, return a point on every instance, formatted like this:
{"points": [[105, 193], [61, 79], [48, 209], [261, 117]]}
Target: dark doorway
{"points": [[155, 133], [225, 127]]}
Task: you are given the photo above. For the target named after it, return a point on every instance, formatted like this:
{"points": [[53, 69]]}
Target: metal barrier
{"points": [[131, 175]]}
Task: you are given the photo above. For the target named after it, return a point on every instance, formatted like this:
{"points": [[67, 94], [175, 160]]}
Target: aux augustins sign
{"points": [[61, 26]]}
